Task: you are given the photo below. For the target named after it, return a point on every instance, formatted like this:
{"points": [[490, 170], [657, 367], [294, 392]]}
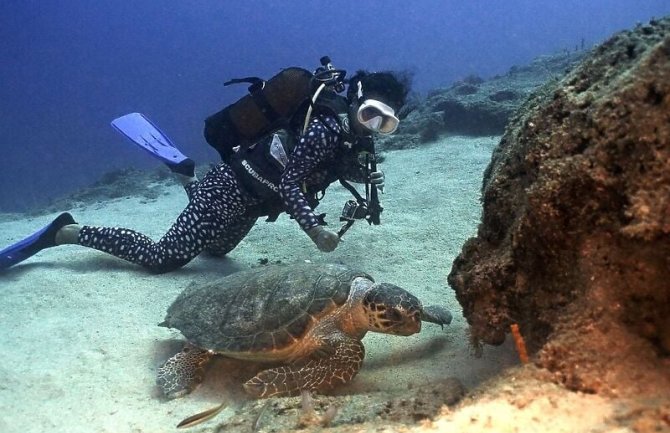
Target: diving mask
{"points": [[377, 117]]}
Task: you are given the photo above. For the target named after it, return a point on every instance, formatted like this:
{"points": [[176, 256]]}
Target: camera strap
{"points": [[353, 191]]}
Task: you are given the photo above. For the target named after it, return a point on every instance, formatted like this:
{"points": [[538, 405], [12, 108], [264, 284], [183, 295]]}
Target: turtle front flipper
{"points": [[315, 374], [183, 372], [436, 314]]}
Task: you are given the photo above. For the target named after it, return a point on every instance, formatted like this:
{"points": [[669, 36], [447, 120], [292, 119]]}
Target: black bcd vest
{"points": [[259, 167]]}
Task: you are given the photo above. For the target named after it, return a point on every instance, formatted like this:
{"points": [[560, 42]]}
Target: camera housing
{"points": [[353, 210]]}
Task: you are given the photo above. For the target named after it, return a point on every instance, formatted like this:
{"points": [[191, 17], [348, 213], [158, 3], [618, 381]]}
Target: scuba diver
{"points": [[287, 171]]}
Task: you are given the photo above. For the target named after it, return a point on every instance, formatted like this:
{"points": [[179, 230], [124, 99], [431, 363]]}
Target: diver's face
{"points": [[372, 115], [376, 116]]}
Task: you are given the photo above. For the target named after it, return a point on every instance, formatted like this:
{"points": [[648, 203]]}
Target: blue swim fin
{"points": [[142, 131], [41, 239]]}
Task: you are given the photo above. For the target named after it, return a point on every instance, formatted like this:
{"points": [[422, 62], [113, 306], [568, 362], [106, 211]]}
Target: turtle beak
{"points": [[410, 326]]}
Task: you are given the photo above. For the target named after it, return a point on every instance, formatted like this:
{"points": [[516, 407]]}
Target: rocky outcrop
{"points": [[574, 242], [477, 107]]}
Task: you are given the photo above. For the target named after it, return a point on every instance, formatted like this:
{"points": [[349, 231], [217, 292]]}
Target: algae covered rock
{"points": [[574, 242]]}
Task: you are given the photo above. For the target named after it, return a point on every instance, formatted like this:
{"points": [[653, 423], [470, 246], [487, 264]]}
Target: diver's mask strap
{"points": [[377, 117]]}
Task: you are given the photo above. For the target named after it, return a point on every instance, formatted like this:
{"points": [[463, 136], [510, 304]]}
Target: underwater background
{"points": [[70, 67], [79, 335]]}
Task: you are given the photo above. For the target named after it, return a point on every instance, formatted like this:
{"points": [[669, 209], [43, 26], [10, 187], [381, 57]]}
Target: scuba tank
{"points": [[270, 105]]}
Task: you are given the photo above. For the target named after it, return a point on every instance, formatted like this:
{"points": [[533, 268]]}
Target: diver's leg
{"points": [[215, 206], [183, 241], [69, 234], [232, 237]]}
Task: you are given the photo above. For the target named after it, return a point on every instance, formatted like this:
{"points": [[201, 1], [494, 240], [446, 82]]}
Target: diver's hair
{"points": [[390, 86]]}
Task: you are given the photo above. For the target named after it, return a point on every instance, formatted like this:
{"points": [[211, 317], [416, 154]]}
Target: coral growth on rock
{"points": [[574, 243]]}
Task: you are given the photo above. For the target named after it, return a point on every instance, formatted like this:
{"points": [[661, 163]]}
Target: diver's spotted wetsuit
{"points": [[216, 218]]}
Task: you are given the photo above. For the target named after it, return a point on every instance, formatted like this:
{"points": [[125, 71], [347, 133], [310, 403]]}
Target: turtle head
{"points": [[392, 310]]}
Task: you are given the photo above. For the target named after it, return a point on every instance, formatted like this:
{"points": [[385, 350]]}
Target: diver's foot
{"points": [[68, 235], [184, 168], [41, 239]]}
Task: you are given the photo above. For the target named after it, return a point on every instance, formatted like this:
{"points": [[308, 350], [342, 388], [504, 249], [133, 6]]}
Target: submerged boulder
{"points": [[574, 242]]}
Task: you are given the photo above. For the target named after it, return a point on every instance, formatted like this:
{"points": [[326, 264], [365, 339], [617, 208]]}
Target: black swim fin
{"points": [[41, 239]]}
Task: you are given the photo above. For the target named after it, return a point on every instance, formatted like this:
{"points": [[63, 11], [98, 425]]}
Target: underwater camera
{"points": [[353, 210]]}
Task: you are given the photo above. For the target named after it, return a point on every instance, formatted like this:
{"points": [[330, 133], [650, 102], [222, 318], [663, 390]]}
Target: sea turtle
{"points": [[308, 318]]}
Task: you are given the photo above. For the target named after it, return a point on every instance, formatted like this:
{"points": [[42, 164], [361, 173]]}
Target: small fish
{"points": [[201, 417], [257, 422]]}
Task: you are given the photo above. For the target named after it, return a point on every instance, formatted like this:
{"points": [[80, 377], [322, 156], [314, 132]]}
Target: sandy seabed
{"points": [[80, 343]]}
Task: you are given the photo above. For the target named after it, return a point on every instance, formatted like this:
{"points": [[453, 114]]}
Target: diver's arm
{"points": [[319, 143]]}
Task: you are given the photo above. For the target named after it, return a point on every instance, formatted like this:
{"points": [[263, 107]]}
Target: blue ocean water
{"points": [[70, 67]]}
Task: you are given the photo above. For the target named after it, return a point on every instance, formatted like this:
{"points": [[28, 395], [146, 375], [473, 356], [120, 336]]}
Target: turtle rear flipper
{"points": [[183, 372], [315, 374]]}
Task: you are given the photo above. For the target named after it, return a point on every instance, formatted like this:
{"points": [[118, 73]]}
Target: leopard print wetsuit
{"points": [[216, 217]]}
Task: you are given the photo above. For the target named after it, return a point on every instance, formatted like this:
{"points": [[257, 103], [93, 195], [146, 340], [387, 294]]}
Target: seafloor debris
{"points": [[308, 411]]}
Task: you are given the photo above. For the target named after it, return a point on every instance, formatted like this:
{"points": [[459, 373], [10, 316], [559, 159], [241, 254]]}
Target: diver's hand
{"points": [[377, 179], [324, 239]]}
